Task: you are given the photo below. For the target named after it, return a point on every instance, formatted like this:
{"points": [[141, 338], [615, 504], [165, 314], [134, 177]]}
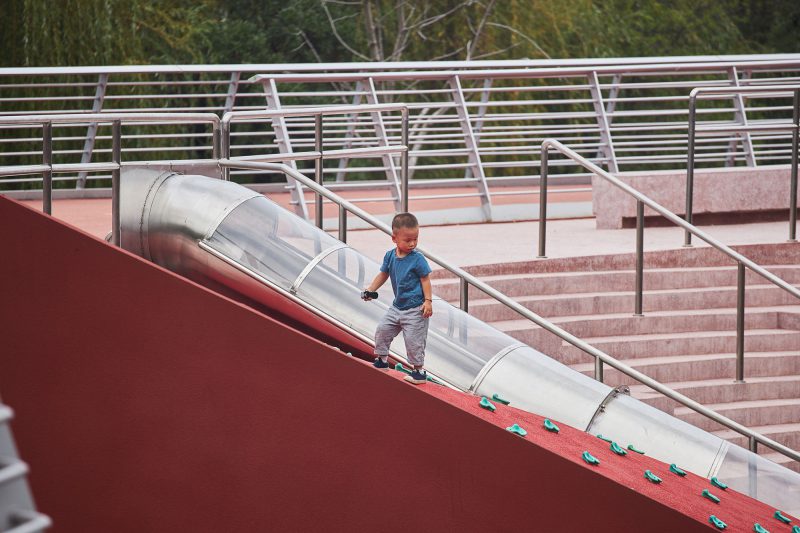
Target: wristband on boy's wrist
{"points": [[428, 300]]}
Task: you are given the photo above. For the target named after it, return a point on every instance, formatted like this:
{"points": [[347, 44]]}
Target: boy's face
{"points": [[405, 239]]}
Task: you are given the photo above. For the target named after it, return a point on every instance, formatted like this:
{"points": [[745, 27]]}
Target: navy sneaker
{"points": [[417, 377], [380, 364]]}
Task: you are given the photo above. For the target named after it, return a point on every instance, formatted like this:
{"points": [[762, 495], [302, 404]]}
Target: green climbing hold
{"points": [[632, 448], [758, 528], [601, 437], [496, 397], [486, 404], [795, 529], [784, 519], [589, 458], [549, 426], [517, 430], [399, 367], [618, 450], [651, 477], [675, 470], [719, 524], [718, 483], [710, 496]]}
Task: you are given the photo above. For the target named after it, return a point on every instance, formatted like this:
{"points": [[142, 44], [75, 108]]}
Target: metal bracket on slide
{"points": [[314, 262], [624, 389]]}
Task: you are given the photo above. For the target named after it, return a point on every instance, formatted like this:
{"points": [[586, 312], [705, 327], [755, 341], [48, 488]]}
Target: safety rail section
{"points": [[466, 279], [745, 130], [642, 201], [476, 125], [17, 512], [221, 134]]}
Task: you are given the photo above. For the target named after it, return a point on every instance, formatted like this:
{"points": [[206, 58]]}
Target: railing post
{"points": [[216, 139], [690, 168], [752, 468], [343, 224], [639, 258], [404, 164], [598, 369], [225, 147], [116, 157], [318, 167], [47, 175], [740, 276], [543, 203], [793, 184], [463, 292]]}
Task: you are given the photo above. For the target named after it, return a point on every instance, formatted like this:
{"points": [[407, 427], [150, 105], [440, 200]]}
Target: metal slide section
{"points": [[218, 232], [17, 511]]}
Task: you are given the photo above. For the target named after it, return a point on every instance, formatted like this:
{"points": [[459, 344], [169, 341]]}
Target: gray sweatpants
{"points": [[415, 333]]}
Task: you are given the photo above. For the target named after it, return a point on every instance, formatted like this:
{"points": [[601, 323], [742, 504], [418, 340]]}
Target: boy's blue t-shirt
{"points": [[405, 273]]}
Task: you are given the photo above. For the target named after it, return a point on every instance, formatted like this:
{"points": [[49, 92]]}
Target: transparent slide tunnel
{"points": [[222, 234]]}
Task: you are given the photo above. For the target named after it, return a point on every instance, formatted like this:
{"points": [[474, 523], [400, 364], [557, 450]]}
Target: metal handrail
{"points": [[643, 200], [318, 113], [116, 120], [726, 92], [467, 279]]}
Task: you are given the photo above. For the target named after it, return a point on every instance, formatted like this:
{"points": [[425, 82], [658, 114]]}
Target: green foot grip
{"points": [[516, 429], [758, 528], [795, 529], [716, 522], [632, 448], [784, 519], [435, 381], [549, 426], [591, 459], [400, 368], [617, 449], [719, 484], [675, 470], [486, 404], [710, 496], [496, 397], [651, 477], [601, 437]]}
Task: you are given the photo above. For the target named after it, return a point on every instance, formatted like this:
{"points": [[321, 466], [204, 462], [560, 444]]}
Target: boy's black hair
{"points": [[404, 220]]}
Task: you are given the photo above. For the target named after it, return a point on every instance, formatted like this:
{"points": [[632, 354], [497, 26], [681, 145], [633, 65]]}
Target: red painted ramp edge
{"points": [[145, 402]]}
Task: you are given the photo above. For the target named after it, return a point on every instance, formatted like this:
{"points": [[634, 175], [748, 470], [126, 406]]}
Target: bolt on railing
{"points": [[726, 92], [642, 201]]}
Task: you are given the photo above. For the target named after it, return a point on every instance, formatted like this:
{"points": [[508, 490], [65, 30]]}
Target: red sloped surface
{"points": [[147, 403]]}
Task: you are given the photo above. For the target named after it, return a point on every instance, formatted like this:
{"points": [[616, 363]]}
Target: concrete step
{"points": [[698, 256], [725, 390], [694, 342], [748, 413], [612, 281], [780, 459], [682, 368], [786, 434], [600, 303], [654, 322]]}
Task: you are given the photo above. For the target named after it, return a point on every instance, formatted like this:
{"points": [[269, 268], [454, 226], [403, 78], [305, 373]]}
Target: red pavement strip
{"points": [[738, 511]]}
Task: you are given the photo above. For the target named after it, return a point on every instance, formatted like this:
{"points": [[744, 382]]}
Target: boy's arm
{"points": [[427, 306], [379, 280]]}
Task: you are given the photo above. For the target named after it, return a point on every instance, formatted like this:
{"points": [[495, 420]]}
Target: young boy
{"points": [[412, 305]]}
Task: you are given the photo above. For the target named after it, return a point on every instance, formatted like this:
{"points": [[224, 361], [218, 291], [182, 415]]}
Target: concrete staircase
{"points": [[17, 511], [686, 338]]}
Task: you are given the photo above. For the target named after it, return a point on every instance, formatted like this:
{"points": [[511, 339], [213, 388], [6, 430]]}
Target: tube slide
{"points": [[221, 234]]}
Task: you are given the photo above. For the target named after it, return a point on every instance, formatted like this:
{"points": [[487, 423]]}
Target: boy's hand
{"points": [[368, 295], [427, 309]]}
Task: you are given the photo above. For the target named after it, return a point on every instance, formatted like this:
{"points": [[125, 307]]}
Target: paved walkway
{"points": [[474, 244]]}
